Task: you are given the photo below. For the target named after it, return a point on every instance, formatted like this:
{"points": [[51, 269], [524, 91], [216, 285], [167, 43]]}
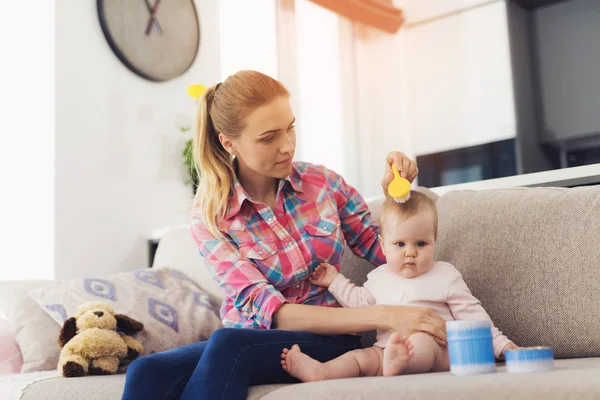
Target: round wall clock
{"points": [[157, 40]]}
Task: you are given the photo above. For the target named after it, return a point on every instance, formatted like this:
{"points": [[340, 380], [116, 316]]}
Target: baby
{"points": [[411, 278]]}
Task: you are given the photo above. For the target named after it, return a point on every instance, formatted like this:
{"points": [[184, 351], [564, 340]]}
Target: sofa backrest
{"points": [[532, 257]]}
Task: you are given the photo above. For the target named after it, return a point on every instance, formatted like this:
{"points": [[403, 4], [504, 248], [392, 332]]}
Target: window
{"points": [[27, 144], [319, 64], [248, 36], [279, 38]]}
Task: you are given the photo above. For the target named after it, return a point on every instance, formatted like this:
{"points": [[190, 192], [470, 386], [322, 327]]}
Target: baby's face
{"points": [[409, 245]]}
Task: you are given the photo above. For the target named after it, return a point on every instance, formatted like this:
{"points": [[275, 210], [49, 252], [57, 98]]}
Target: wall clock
{"points": [[157, 40]]}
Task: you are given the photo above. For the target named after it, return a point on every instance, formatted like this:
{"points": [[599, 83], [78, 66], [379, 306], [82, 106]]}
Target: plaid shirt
{"points": [[267, 255]]}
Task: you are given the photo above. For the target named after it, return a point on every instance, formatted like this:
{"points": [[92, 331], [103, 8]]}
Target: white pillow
{"points": [[178, 250], [11, 360], [33, 330]]}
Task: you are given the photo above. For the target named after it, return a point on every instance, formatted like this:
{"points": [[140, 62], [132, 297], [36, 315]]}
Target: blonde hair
{"points": [[223, 109], [415, 203]]}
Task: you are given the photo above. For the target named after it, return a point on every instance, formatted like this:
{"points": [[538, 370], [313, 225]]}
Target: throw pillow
{"points": [[11, 360], [33, 330], [172, 307]]}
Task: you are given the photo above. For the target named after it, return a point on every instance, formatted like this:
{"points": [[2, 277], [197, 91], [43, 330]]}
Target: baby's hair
{"points": [[417, 202]]}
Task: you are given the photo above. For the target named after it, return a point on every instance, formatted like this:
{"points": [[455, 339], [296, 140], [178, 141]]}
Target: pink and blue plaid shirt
{"points": [[267, 255]]}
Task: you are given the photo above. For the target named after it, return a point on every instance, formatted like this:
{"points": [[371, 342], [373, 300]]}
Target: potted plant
{"points": [[188, 160], [195, 91]]}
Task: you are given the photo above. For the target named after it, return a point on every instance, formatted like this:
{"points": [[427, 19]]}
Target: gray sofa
{"points": [[532, 256]]}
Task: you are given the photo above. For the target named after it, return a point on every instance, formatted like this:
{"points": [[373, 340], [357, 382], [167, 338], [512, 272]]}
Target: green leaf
{"points": [[188, 159]]}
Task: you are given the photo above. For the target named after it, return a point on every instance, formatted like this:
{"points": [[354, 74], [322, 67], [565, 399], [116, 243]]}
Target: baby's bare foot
{"points": [[301, 366], [396, 355]]}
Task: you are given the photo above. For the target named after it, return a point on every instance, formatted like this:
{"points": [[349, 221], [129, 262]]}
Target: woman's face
{"points": [[267, 144]]}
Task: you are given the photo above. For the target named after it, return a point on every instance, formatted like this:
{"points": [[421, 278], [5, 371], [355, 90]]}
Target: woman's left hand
{"points": [[407, 168]]}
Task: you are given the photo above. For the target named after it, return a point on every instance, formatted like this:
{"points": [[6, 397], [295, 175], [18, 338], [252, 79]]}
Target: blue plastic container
{"points": [[470, 347], [529, 359]]}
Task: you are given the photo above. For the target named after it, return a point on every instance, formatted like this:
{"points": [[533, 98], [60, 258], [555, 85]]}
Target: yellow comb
{"points": [[399, 188]]}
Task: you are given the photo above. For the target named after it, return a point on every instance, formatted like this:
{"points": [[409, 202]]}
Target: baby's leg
{"points": [[361, 362], [428, 355]]}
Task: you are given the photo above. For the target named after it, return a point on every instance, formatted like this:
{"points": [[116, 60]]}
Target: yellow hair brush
{"points": [[399, 188]]}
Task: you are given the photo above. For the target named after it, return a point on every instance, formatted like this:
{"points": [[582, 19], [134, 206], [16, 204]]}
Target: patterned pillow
{"points": [[172, 307]]}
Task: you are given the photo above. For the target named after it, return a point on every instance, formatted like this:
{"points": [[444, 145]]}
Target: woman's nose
{"points": [[289, 143]]}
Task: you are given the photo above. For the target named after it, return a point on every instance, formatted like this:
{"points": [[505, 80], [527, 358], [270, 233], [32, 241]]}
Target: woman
{"points": [[262, 224]]}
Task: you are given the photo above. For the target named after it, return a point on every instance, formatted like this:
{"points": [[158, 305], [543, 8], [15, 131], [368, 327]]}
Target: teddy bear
{"points": [[91, 344]]}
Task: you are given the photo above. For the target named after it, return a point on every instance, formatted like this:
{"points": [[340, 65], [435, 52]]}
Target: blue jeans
{"points": [[226, 365]]}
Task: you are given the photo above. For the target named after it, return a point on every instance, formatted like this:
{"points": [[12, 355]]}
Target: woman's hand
{"points": [[407, 320], [407, 168]]}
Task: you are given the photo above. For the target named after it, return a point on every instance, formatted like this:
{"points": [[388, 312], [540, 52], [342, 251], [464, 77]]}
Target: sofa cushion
{"points": [[532, 256], [571, 379], [100, 388]]}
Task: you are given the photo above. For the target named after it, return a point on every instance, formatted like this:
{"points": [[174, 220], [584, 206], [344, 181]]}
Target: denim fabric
{"points": [[226, 365]]}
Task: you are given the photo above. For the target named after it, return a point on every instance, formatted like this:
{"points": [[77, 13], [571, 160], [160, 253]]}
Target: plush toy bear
{"points": [[90, 342]]}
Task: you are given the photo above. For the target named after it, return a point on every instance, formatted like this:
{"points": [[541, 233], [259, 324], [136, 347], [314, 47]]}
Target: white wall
{"points": [[435, 86], [27, 141], [118, 163], [460, 80], [382, 103]]}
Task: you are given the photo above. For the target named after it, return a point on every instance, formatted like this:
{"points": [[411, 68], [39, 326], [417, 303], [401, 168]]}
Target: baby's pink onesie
{"points": [[441, 289]]}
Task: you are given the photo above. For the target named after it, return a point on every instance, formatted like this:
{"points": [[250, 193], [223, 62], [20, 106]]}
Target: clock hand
{"points": [[154, 11], [153, 22], [148, 6]]}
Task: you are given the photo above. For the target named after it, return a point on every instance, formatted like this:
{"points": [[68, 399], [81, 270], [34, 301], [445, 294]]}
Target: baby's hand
{"points": [[323, 275], [510, 346]]}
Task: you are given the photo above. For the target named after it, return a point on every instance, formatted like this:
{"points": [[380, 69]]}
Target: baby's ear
{"points": [[128, 325], [68, 331]]}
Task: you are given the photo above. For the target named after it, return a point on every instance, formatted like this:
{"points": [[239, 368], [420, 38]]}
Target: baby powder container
{"points": [[529, 359], [470, 347]]}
